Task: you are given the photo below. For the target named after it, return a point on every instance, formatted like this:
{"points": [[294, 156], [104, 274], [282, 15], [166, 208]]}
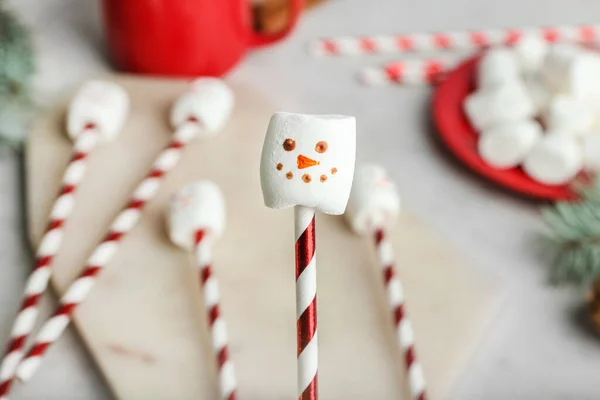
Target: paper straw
{"points": [[127, 219], [404, 329], [453, 40], [210, 292], [410, 72], [51, 241], [306, 303]]}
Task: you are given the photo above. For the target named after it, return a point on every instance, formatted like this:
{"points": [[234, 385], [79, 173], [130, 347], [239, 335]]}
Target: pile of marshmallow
{"points": [[538, 106]]}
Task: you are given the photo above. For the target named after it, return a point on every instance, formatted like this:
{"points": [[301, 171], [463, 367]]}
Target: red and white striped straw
{"points": [[47, 250], [404, 329], [210, 292], [306, 303], [457, 40], [105, 251], [410, 72]]}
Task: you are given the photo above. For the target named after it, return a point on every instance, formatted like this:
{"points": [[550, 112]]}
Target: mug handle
{"points": [[257, 39]]}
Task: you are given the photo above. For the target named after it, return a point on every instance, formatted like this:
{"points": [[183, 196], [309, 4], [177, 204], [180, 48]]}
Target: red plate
{"points": [[458, 135]]}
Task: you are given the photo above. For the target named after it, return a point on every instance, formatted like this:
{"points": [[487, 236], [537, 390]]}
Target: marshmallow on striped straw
{"points": [[196, 222], [308, 163], [201, 112], [458, 40], [96, 114], [373, 209]]}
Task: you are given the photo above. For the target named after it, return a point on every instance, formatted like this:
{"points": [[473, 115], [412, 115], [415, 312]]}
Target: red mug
{"points": [[183, 37]]}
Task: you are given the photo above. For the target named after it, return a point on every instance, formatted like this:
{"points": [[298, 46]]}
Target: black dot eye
{"points": [[321, 147], [289, 144]]}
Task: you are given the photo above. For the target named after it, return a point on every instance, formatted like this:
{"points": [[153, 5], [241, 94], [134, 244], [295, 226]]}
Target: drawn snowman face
{"points": [[374, 201], [104, 104], [197, 206], [308, 161]]}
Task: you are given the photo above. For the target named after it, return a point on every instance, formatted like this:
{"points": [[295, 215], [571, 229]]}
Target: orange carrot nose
{"points": [[305, 162]]}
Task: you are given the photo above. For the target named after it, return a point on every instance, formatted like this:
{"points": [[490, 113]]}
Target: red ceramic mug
{"points": [[183, 37]]}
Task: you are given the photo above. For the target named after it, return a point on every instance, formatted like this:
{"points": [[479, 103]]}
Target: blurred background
{"points": [[539, 343]]}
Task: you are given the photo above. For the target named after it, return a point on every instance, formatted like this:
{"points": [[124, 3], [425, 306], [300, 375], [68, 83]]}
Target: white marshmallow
{"points": [[555, 159], [209, 100], [308, 160], [557, 64], [102, 103], [497, 66], [505, 103], [374, 202], [539, 93], [530, 51], [567, 114], [574, 70], [198, 205], [591, 151], [506, 146]]}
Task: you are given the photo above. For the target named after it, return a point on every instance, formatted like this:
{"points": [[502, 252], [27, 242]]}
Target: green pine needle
{"points": [[575, 235], [16, 71]]}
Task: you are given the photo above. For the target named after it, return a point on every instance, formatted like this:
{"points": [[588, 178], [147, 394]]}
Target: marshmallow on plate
{"points": [[568, 114], [530, 51], [557, 64], [574, 70], [208, 100], [554, 160], [507, 145], [505, 103], [497, 66], [539, 92], [374, 201], [308, 160], [591, 151], [102, 103], [197, 206]]}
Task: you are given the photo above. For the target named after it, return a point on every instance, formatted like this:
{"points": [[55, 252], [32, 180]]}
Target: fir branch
{"points": [[575, 236], [16, 72]]}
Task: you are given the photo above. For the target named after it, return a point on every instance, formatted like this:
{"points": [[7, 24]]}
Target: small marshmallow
{"points": [[530, 51], [506, 146], [539, 93], [506, 103], [105, 104], [209, 100], [197, 206], [558, 63], [374, 202], [308, 160], [554, 160], [568, 114], [497, 66], [574, 70], [591, 152]]}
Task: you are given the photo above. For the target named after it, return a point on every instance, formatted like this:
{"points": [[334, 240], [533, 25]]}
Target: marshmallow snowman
{"points": [[102, 103], [374, 201], [208, 100], [197, 206], [308, 160]]}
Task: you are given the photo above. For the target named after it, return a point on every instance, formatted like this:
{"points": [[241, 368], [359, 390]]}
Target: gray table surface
{"points": [[535, 349]]}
